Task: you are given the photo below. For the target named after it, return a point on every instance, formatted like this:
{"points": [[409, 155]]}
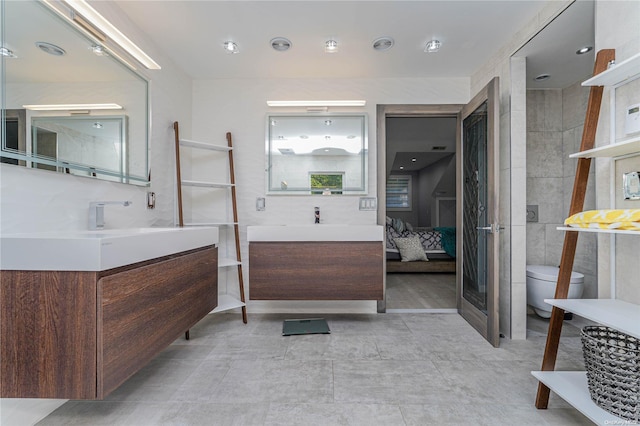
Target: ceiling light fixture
{"points": [[98, 125], [330, 46], [7, 53], [49, 48], [356, 103], [99, 50], [230, 47], [103, 25], [70, 107], [432, 46], [542, 77], [280, 44], [584, 50], [414, 160], [383, 43]]}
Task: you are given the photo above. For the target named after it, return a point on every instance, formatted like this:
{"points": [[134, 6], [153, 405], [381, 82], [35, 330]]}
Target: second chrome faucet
{"points": [[96, 212]]}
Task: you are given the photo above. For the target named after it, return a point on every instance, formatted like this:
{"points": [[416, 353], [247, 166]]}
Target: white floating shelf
{"points": [[227, 302], [597, 230], [572, 387], [206, 184], [618, 149], [224, 262], [617, 74], [211, 224], [203, 145], [614, 313]]}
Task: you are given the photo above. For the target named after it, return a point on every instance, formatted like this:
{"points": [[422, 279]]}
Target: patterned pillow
{"points": [[628, 219], [410, 249]]}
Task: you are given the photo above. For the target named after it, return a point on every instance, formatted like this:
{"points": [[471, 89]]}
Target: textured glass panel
{"points": [[474, 283]]}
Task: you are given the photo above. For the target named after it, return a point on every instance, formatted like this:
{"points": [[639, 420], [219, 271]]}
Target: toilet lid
{"points": [[550, 273]]}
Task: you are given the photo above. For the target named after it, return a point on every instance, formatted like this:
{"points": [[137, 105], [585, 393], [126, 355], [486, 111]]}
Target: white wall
{"points": [[617, 25], [513, 187], [239, 106]]}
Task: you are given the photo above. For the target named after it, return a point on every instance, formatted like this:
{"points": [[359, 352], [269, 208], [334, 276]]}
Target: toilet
{"points": [[541, 284]]}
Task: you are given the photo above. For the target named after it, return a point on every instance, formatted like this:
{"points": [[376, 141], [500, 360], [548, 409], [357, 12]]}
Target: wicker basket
{"points": [[612, 360]]}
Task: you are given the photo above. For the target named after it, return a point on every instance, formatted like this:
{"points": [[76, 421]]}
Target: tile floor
{"points": [[386, 369]]}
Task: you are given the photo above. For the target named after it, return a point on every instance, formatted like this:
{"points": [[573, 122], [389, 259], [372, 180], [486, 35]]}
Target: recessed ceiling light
{"points": [[7, 53], [98, 125], [542, 77], [330, 46], [49, 48], [432, 46], [328, 122], [414, 160], [584, 50], [99, 50], [401, 167], [230, 47], [280, 44], [383, 43]]}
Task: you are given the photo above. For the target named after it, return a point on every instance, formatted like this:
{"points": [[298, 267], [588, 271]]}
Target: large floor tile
{"points": [[334, 415]]}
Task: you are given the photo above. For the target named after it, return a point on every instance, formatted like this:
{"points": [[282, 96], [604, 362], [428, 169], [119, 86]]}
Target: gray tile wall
{"points": [[555, 119]]}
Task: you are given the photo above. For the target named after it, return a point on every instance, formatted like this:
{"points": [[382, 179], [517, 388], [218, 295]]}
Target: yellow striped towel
{"points": [[606, 219]]}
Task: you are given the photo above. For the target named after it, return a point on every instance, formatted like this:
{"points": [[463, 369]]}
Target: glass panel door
{"points": [[478, 202]]}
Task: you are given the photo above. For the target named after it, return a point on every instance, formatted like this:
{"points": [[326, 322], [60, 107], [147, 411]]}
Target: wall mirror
{"points": [[320, 154], [49, 65]]}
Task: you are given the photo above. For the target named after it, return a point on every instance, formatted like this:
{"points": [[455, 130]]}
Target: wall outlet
{"points": [[260, 204], [532, 213]]}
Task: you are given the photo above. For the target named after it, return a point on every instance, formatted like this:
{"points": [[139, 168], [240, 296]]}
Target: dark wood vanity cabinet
{"points": [[319, 270], [80, 335]]}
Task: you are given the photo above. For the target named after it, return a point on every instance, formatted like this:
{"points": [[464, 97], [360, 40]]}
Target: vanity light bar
{"points": [[315, 103], [71, 107], [104, 26]]}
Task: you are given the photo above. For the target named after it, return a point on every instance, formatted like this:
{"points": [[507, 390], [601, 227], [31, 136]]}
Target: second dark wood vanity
{"points": [[318, 270], [80, 335]]}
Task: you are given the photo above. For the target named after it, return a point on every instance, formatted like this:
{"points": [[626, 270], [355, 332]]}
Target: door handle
{"points": [[493, 228]]}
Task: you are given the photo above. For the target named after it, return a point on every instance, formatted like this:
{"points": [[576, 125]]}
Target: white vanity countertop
{"points": [[315, 233], [97, 250]]}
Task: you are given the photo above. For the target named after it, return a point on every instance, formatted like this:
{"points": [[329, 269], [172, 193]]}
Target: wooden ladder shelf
{"points": [[571, 238], [229, 302]]}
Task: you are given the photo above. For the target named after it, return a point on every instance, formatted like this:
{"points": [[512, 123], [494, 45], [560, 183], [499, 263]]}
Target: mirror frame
{"points": [[362, 189], [59, 13]]}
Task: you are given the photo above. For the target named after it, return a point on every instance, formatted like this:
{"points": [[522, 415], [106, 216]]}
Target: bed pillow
{"points": [[410, 249]]}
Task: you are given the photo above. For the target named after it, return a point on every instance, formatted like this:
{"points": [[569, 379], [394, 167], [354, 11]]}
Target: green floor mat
{"points": [[305, 326]]}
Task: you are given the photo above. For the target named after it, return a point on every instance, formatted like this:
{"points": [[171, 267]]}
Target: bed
{"points": [[437, 246]]}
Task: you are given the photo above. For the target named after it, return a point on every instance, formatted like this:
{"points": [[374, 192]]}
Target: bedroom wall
{"points": [[437, 176]]}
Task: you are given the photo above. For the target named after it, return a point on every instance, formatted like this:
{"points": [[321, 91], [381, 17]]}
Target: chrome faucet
{"points": [[317, 214], [96, 212]]}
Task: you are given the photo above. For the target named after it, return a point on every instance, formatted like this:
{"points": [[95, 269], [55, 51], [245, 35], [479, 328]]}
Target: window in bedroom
{"points": [[399, 192], [326, 183]]}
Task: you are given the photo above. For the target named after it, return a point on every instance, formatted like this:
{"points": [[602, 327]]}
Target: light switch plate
{"points": [[368, 203]]}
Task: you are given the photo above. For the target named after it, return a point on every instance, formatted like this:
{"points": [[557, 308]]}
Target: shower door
{"points": [[478, 227]]}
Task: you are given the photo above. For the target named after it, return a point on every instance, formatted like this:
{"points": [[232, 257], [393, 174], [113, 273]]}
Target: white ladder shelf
{"points": [[225, 301]]}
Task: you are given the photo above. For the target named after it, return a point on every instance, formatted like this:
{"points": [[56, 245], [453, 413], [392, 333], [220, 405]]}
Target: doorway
{"points": [[420, 204], [477, 127]]}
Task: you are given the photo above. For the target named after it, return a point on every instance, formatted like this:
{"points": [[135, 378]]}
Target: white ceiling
{"points": [[192, 34]]}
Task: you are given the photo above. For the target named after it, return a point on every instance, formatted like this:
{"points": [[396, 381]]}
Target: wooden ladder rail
{"points": [[603, 58], [176, 132], [236, 227]]}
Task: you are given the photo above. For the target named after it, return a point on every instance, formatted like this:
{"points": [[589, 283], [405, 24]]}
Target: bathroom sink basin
{"points": [[97, 250], [315, 233]]}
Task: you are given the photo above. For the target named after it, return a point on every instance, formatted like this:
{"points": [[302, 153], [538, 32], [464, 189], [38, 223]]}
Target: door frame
{"points": [[383, 111]]}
